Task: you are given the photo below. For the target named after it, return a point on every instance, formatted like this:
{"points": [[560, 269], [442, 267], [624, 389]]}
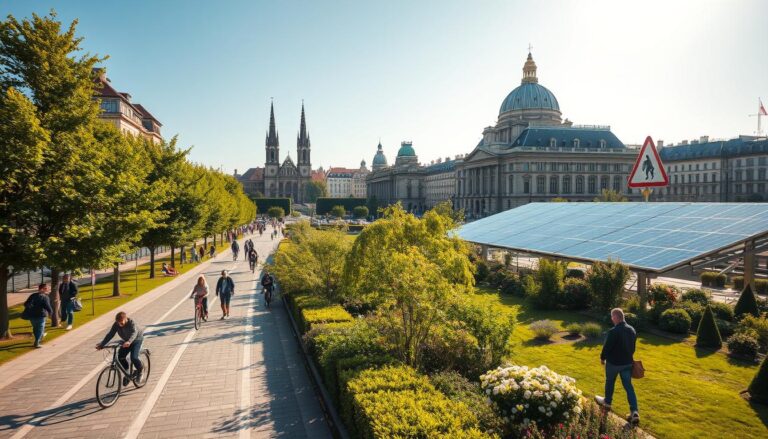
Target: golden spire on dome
{"points": [[529, 69]]}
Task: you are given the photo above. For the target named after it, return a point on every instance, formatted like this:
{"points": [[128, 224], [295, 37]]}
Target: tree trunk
{"points": [[205, 241], [116, 280], [5, 321], [173, 256], [214, 239], [181, 256], [55, 300], [151, 262]]}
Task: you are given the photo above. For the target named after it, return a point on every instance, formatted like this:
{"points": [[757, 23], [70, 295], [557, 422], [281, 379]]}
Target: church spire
{"points": [[529, 70], [303, 139], [272, 137]]}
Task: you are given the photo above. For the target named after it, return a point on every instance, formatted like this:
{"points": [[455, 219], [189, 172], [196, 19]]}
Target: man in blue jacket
{"points": [[616, 355], [67, 292]]}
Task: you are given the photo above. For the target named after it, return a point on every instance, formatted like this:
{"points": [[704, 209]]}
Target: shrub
{"points": [[761, 286], [544, 329], [512, 285], [758, 325], [592, 330], [573, 328], [481, 271], [758, 388], [328, 314], [360, 212], [537, 395], [708, 335], [723, 311], [276, 212], [448, 348], [458, 388], [747, 304], [713, 279], [575, 273], [633, 320], [491, 327], [694, 310], [725, 327], [496, 277], [662, 294], [632, 305], [606, 282], [696, 295], [591, 423], [743, 344], [738, 282], [338, 211], [530, 287], [675, 320], [576, 294], [550, 284]]}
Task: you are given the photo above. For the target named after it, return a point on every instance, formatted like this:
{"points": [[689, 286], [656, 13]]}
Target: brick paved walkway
{"points": [[241, 377]]}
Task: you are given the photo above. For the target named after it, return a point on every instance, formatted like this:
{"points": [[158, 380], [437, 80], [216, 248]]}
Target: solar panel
{"points": [[650, 236]]}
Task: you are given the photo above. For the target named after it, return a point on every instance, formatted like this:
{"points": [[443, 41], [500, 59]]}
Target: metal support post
{"points": [[749, 264]]}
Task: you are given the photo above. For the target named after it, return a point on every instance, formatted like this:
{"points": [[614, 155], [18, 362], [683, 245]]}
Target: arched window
{"points": [[602, 144], [576, 143], [617, 183], [566, 184], [604, 181], [579, 184], [552, 142], [553, 180], [592, 184]]}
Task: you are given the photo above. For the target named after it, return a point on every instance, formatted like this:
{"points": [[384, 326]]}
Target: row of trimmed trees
{"points": [[74, 191]]}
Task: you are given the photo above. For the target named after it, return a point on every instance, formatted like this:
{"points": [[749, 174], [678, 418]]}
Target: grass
{"points": [[686, 393], [103, 303]]}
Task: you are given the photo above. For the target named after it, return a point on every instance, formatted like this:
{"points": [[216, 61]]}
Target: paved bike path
{"points": [[241, 377]]}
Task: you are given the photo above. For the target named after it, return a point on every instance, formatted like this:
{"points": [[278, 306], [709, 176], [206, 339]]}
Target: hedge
{"points": [[761, 285], [263, 204], [325, 204], [326, 314], [713, 279]]}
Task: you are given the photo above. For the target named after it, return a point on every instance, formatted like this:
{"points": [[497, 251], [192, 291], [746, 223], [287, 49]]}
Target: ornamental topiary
{"points": [[708, 335], [538, 395], [747, 303], [758, 388], [675, 320], [722, 311]]}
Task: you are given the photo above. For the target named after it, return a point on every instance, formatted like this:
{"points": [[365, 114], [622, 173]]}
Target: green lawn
{"points": [[103, 303], [687, 392]]}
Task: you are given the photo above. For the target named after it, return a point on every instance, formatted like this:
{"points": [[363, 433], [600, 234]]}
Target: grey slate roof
{"points": [[724, 148], [564, 137]]}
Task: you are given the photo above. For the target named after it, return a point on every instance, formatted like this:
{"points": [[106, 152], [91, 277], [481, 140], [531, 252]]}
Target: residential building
{"points": [[439, 182], [117, 109]]}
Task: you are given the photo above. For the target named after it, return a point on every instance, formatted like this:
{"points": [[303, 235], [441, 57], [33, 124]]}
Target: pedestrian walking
{"points": [[36, 309], [183, 258], [67, 295], [212, 251], [202, 252], [225, 289], [617, 356]]}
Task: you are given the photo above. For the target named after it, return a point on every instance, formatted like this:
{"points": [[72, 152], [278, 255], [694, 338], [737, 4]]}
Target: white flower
{"points": [[553, 404], [542, 409], [527, 394]]}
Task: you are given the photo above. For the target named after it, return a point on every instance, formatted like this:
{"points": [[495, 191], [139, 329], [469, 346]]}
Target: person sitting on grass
{"points": [[168, 270]]}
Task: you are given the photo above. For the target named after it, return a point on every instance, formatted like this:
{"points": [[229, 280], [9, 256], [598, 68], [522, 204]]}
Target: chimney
{"points": [[660, 143], [684, 142], [704, 139], [447, 159]]}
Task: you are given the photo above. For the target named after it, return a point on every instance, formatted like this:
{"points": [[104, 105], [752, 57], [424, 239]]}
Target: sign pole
{"points": [[93, 284]]}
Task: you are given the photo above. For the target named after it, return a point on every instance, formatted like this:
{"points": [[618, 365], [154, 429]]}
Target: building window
{"points": [[604, 167], [749, 188], [761, 174], [527, 186], [690, 178], [705, 178], [750, 162], [616, 167], [567, 184], [750, 174], [579, 167], [697, 178], [579, 184], [705, 166], [761, 188], [553, 185], [738, 163], [739, 175], [552, 142], [553, 167], [617, 183], [576, 143], [110, 106], [592, 167], [697, 166], [604, 182], [511, 184], [738, 188], [592, 184], [602, 144], [541, 183]]}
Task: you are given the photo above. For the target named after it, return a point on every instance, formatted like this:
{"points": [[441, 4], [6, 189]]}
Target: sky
{"points": [[432, 72]]}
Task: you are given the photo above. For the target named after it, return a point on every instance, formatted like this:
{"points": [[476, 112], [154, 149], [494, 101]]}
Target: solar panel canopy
{"points": [[654, 237]]}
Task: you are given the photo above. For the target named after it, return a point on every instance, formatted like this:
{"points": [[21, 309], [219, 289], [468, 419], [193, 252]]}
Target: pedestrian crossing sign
{"points": [[648, 170]]}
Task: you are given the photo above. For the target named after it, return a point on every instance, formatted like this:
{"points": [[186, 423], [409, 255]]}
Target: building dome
{"points": [[406, 150], [379, 159], [530, 95]]}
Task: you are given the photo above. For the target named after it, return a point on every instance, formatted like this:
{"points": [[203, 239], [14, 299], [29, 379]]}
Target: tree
{"points": [[314, 190], [445, 208], [758, 388], [609, 195], [338, 211], [559, 200], [606, 280], [708, 335], [360, 212], [276, 212], [550, 277], [747, 303], [22, 142]]}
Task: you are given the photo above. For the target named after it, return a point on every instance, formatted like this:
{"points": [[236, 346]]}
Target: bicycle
{"points": [[110, 382], [199, 313], [268, 297], [253, 265]]}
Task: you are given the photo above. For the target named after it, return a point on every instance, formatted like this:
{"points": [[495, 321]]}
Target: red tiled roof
{"points": [[104, 89], [253, 174], [318, 176], [146, 114], [342, 171]]}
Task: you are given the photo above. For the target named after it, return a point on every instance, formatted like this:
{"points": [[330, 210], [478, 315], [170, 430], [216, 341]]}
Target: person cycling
{"points": [[235, 249], [268, 284], [132, 336], [253, 259], [200, 292]]}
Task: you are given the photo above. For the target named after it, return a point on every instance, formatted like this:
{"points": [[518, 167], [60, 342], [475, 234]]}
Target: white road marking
{"points": [[245, 377]]}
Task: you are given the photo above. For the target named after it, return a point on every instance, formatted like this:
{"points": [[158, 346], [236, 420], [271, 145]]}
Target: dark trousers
{"points": [[134, 349]]}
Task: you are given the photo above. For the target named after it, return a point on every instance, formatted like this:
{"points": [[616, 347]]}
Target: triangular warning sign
{"points": [[648, 170]]}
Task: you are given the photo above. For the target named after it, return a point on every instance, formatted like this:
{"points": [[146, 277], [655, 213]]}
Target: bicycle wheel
{"points": [[144, 357], [108, 386], [198, 317]]}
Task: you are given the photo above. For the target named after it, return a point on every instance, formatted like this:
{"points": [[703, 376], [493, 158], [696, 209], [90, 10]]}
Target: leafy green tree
{"points": [[747, 303], [338, 211], [360, 212], [550, 277], [445, 208], [609, 195], [314, 190], [606, 280], [22, 143], [276, 212]]}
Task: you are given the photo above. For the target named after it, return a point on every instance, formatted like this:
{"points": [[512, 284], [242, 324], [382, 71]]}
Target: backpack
{"points": [[29, 307]]}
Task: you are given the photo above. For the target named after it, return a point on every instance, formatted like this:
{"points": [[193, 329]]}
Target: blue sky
{"points": [[434, 72]]}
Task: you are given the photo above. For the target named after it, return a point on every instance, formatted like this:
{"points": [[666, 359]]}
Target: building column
{"points": [[642, 288]]}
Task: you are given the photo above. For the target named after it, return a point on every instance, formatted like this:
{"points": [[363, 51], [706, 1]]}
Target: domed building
{"points": [[533, 154]]}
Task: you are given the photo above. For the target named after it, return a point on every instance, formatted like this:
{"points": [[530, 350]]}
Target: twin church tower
{"points": [[287, 179]]}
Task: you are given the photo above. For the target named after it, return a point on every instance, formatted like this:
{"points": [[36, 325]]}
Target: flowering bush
{"points": [[522, 396], [544, 329]]}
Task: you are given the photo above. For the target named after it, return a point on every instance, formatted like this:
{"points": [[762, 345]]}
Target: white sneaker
{"points": [[69, 327], [601, 402]]}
